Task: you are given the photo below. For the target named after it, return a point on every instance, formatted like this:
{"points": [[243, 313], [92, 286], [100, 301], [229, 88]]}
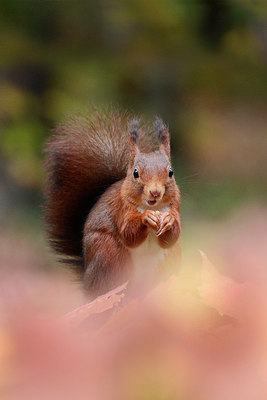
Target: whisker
{"points": [[188, 176]]}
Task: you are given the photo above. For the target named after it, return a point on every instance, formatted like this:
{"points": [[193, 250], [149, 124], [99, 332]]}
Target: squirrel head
{"points": [[150, 181]]}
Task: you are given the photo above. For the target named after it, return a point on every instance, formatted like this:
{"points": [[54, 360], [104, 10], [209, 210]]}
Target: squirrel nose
{"points": [[154, 193]]}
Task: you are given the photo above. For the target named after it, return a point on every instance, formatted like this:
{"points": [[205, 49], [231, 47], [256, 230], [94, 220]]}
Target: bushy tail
{"points": [[85, 155]]}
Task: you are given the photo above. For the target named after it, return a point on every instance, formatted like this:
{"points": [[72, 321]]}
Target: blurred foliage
{"points": [[201, 65]]}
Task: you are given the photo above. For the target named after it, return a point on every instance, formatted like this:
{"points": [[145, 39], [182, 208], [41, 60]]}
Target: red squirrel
{"points": [[111, 197]]}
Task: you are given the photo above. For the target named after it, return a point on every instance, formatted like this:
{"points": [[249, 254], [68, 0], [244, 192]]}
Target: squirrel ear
{"points": [[163, 136], [134, 137]]}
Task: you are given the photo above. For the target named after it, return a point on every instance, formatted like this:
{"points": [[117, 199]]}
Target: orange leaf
{"points": [[99, 305], [221, 292]]}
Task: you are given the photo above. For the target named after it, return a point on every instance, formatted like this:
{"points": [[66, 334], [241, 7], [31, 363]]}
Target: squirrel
{"points": [[111, 197]]}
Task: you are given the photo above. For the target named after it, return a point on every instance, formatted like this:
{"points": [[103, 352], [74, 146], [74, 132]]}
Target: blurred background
{"points": [[199, 64]]}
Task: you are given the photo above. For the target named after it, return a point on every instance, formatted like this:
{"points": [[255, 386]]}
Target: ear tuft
{"points": [[160, 129], [134, 130], [133, 137], [163, 136]]}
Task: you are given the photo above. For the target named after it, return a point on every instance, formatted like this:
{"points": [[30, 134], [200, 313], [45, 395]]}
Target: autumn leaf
{"points": [[221, 292], [100, 305]]}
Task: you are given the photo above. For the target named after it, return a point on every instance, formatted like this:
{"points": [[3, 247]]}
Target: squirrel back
{"points": [[86, 154]]}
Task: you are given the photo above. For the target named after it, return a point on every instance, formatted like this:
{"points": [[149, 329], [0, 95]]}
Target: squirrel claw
{"points": [[167, 226]]}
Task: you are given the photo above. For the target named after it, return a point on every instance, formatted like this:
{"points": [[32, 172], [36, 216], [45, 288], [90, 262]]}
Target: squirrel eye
{"points": [[136, 173], [170, 172]]}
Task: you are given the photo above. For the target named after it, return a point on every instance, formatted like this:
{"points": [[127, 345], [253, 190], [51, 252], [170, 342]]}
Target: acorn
{"points": [[159, 214]]}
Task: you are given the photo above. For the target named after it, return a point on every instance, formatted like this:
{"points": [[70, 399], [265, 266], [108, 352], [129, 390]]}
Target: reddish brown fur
{"points": [[96, 227]]}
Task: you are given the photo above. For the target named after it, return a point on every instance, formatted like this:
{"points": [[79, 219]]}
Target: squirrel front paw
{"points": [[151, 220], [167, 221]]}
